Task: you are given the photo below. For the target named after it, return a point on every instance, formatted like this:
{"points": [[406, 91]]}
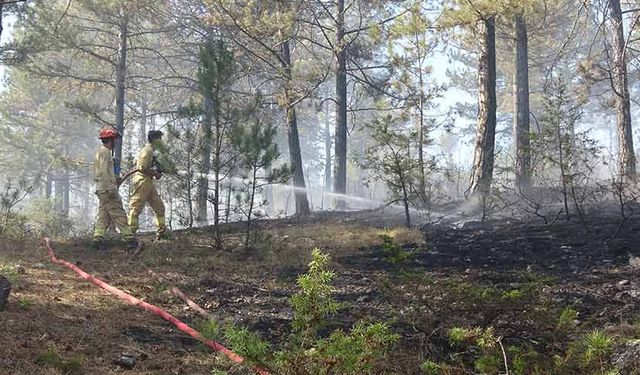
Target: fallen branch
{"points": [[207, 315], [150, 308], [504, 356]]}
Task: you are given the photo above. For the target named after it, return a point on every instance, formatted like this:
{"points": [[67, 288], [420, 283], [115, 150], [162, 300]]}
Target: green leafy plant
{"points": [[488, 364], [567, 319], [393, 253], [361, 350], [210, 329], [430, 368], [10, 271], [247, 344], [24, 304], [458, 335], [597, 347]]}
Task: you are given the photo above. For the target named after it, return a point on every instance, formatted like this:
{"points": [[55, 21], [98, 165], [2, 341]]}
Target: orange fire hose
{"points": [[150, 308]]}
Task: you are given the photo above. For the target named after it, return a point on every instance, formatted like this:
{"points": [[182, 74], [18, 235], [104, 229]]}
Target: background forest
{"points": [[521, 104], [477, 157]]}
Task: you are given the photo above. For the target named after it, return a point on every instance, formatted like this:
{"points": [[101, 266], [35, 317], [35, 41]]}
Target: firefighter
{"points": [[110, 208], [150, 165]]}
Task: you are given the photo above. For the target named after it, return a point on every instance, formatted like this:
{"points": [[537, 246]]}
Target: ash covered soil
{"points": [[515, 276]]}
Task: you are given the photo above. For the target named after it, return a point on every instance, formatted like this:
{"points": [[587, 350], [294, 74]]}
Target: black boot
{"points": [[98, 244], [133, 244]]}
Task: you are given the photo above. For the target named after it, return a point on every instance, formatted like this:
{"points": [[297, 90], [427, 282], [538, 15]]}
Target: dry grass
{"points": [[53, 311]]}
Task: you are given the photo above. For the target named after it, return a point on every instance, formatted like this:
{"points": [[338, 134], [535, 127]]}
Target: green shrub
{"points": [[488, 364], [361, 350], [566, 321], [247, 344], [430, 368], [210, 329], [597, 346], [393, 253], [44, 220]]}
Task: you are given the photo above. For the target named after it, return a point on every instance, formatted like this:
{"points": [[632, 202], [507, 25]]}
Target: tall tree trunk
{"points": [[217, 166], [61, 193], [523, 149], [302, 204], [327, 152], [66, 191], [205, 159], [482, 173], [1, 14], [48, 187], [121, 72], [340, 175], [626, 156], [143, 121], [422, 183]]}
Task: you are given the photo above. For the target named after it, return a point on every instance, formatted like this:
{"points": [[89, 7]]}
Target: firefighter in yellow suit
{"points": [[110, 209], [150, 163]]}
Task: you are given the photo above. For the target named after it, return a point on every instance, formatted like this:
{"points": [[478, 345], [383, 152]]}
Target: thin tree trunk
{"points": [[340, 175], [217, 165], [405, 199], [227, 210], [59, 193], [143, 121], [626, 156], [48, 187], [205, 159], [522, 130], [251, 199], [66, 190], [422, 183], [482, 173], [327, 152], [563, 172], [1, 14], [121, 73], [302, 204]]}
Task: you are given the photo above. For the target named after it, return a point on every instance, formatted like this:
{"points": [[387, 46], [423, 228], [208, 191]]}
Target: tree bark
{"points": [[143, 121], [340, 175], [217, 165], [522, 130], [302, 204], [626, 155], [1, 14], [327, 152], [48, 185], [205, 159], [482, 173], [422, 183], [61, 193], [121, 72]]}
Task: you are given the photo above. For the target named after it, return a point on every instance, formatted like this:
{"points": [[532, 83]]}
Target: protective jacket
{"points": [[148, 162], [104, 173], [110, 208]]}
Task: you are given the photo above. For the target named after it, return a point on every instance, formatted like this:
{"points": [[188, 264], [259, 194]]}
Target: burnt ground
{"points": [[516, 277]]}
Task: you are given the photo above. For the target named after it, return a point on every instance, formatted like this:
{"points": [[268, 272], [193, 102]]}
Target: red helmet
{"points": [[108, 132]]}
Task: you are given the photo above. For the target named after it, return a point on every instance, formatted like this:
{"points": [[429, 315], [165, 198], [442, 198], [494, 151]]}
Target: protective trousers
{"points": [[110, 210], [145, 192]]}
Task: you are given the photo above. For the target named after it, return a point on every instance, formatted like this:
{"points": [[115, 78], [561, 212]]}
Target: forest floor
{"points": [[517, 277]]}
